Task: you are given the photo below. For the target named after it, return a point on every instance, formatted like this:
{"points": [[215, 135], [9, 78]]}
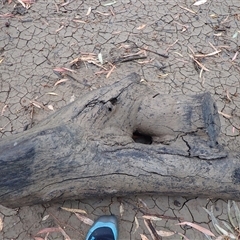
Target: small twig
{"points": [[56, 7], [113, 14], [187, 9], [65, 3], [4, 109], [228, 97], [152, 230], [38, 105], [111, 70], [2, 128], [159, 54], [224, 114], [200, 65], [59, 29], [200, 75], [147, 61], [99, 65], [235, 56], [171, 45], [207, 55], [213, 46], [128, 59], [7, 15]]}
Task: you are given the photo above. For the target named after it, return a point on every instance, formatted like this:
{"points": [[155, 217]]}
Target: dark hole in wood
{"points": [[113, 101], [109, 109], [141, 138]]}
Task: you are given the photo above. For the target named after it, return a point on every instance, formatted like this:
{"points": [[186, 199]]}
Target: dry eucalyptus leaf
{"points": [[197, 227], [38, 238], [153, 218], [121, 209], [45, 217], [143, 237], [84, 219], [52, 93], [200, 2], [48, 230], [100, 58], [72, 99], [141, 27], [137, 224], [60, 81], [164, 233], [89, 11], [109, 4], [1, 224], [74, 210], [50, 107]]}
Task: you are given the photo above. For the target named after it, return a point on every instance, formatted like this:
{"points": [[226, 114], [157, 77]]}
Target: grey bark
{"points": [[118, 140]]}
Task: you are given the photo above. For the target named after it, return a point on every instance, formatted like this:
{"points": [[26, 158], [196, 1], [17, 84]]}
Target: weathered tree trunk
{"points": [[121, 139]]}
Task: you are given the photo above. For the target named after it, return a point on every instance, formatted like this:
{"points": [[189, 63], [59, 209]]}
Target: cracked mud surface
{"points": [[132, 36]]}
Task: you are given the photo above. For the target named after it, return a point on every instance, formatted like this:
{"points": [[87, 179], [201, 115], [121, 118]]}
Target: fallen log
{"points": [[118, 140]]}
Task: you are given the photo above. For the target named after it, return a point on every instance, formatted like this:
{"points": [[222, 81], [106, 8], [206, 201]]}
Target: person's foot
{"points": [[104, 228]]}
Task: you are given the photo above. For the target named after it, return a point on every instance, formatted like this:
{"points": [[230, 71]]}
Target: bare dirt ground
{"points": [[51, 40]]}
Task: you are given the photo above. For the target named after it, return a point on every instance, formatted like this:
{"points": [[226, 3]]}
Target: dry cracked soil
{"points": [[51, 52]]}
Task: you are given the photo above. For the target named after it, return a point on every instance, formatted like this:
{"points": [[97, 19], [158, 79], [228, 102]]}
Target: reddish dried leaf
{"points": [[61, 70], [69, 70], [38, 238], [6, 15], [156, 216], [197, 227], [48, 230]]}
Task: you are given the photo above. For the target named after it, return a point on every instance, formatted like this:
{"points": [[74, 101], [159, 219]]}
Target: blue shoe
{"points": [[104, 228]]}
